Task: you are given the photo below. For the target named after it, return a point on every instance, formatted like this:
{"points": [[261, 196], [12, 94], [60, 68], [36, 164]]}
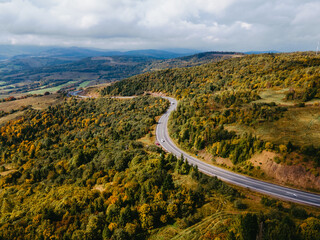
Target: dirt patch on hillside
{"points": [[157, 94], [5, 173], [10, 117], [208, 158], [93, 91], [295, 175], [224, 161], [99, 187], [205, 156], [9, 168], [38, 103]]}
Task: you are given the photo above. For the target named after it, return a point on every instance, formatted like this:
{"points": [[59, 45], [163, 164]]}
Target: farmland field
{"points": [[84, 84], [52, 89]]}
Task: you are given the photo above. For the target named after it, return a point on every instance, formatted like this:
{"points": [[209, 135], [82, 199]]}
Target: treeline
{"points": [[308, 93], [275, 225]]}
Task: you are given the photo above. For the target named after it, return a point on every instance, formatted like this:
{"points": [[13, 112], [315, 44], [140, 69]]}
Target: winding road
{"points": [[274, 190]]}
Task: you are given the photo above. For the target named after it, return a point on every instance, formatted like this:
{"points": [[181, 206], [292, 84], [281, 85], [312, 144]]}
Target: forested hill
{"points": [[190, 61], [246, 113], [296, 70]]}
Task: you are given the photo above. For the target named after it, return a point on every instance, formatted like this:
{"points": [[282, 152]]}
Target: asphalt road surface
{"points": [[274, 190]]}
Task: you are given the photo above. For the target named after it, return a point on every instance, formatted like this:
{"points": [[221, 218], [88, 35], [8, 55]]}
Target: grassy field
{"points": [[75, 76], [7, 89], [40, 103], [274, 95], [53, 89], [84, 84], [278, 96], [10, 117], [94, 90], [80, 81], [3, 87], [299, 125]]}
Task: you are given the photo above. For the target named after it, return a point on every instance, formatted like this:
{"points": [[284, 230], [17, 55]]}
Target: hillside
{"points": [[236, 111]]}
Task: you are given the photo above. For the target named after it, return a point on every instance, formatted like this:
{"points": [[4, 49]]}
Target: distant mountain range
{"points": [[261, 52], [76, 53], [20, 51], [9, 51]]}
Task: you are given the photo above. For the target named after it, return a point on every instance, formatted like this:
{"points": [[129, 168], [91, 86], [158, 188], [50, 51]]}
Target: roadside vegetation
{"points": [[238, 108]]}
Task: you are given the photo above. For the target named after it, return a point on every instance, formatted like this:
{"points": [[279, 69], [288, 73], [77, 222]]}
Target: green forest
{"points": [[79, 169]]}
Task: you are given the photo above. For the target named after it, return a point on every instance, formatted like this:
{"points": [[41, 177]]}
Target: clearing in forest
{"points": [[299, 125]]}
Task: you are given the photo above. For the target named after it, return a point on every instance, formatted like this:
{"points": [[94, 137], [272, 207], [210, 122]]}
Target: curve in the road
{"points": [[285, 193]]}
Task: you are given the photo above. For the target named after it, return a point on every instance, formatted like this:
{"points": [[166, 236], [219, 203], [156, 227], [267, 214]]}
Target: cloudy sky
{"points": [[239, 25]]}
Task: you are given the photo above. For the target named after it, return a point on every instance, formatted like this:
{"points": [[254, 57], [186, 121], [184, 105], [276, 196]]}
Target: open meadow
{"points": [[300, 126]]}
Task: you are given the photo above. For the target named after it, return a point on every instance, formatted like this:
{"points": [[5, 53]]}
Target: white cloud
{"points": [[130, 24], [245, 25]]}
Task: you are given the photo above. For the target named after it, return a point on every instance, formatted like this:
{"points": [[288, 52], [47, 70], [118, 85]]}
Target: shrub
{"points": [[239, 204]]}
